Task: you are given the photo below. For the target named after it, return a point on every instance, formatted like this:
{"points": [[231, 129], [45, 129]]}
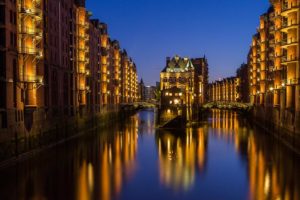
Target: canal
{"points": [[222, 157]]}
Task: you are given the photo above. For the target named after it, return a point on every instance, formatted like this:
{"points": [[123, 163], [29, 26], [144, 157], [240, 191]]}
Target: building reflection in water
{"points": [[117, 160], [272, 168], [99, 165], [95, 166], [273, 172], [181, 156], [108, 163]]}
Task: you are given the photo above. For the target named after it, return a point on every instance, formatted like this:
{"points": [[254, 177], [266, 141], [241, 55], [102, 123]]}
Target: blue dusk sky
{"points": [[151, 30]]}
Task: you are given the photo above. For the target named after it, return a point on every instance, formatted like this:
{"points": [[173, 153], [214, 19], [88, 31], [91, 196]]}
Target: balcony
{"points": [[82, 88], [31, 79], [30, 11], [30, 31], [81, 48], [285, 60], [81, 60], [81, 71], [289, 8], [272, 43], [37, 3], [288, 43], [289, 25], [272, 28], [277, 69], [293, 81], [28, 50], [83, 25], [82, 37]]}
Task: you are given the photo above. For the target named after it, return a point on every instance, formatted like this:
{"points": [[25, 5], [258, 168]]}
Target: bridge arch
{"points": [[228, 105]]}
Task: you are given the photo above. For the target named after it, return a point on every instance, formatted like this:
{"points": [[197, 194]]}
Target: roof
{"points": [[178, 64]]}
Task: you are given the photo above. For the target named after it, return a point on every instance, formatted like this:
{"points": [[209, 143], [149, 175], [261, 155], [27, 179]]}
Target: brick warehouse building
{"points": [[57, 64], [273, 62], [183, 81]]}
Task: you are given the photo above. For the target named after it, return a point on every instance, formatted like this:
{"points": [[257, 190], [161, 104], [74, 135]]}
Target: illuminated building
{"points": [[243, 74], [116, 73], [57, 64], [30, 71], [201, 66], [129, 79], [104, 41], [82, 60], [150, 93], [274, 66], [94, 104], [11, 104], [182, 82], [125, 87], [227, 90], [132, 82], [142, 92]]}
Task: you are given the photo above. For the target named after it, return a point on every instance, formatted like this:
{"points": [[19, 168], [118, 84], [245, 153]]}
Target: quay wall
{"points": [[18, 141], [281, 123]]}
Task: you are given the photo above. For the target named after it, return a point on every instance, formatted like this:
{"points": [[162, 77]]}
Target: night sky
{"points": [[151, 30]]}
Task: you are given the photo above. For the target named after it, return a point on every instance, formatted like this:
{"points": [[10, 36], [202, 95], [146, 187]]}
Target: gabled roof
{"points": [[178, 64]]}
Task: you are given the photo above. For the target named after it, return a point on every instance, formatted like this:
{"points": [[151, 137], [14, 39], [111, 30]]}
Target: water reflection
{"points": [[273, 170], [223, 157], [181, 156], [95, 166], [117, 156], [146, 120]]}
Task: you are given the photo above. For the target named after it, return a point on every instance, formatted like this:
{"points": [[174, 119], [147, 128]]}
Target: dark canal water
{"points": [[221, 158]]}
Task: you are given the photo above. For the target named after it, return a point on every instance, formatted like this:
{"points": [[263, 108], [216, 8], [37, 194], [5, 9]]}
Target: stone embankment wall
{"points": [[17, 142], [283, 124]]}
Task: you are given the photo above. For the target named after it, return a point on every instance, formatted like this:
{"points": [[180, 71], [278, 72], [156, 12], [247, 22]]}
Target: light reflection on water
{"points": [[180, 156], [221, 158]]}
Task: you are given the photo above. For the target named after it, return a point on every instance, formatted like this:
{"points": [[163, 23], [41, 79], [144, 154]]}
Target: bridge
{"points": [[228, 105], [137, 105]]}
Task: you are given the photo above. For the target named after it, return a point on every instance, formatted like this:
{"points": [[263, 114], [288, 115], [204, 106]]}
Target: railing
{"points": [[29, 30], [83, 25], [81, 71], [31, 79], [37, 3], [30, 11], [286, 24], [291, 59], [28, 50], [286, 6], [288, 42], [293, 81]]}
